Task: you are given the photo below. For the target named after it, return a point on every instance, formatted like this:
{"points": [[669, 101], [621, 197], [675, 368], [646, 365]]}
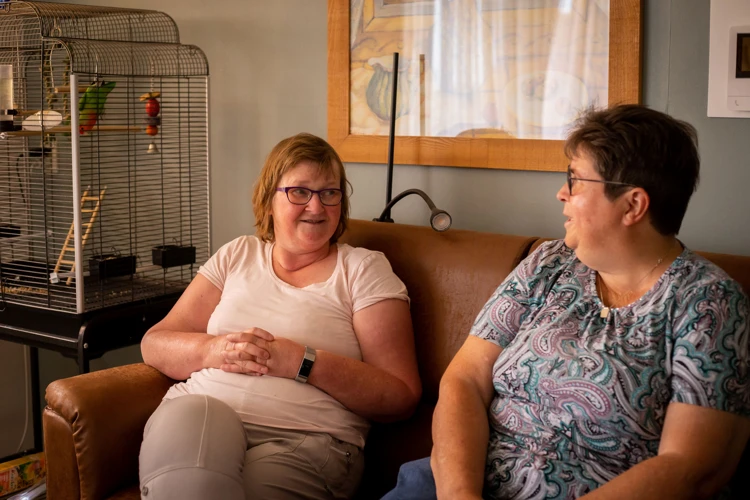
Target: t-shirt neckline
{"points": [[320, 284]]}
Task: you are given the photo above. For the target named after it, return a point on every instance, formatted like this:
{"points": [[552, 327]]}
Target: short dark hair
{"points": [[646, 148]]}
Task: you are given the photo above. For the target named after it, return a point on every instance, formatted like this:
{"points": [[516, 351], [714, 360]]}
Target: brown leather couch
{"points": [[93, 423]]}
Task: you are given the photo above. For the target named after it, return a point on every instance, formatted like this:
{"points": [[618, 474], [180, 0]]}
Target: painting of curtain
{"points": [[514, 69]]}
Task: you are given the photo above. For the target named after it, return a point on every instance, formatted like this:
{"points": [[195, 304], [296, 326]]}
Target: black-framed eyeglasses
{"points": [[571, 179], [298, 195]]}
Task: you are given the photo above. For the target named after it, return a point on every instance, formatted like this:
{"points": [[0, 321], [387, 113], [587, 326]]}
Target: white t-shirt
{"points": [[318, 315]]}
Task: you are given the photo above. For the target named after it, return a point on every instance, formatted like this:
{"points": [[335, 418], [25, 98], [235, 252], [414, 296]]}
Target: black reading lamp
{"points": [[440, 220]]}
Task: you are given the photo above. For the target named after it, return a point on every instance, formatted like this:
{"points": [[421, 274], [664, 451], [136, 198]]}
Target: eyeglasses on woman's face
{"points": [[298, 195], [571, 179]]}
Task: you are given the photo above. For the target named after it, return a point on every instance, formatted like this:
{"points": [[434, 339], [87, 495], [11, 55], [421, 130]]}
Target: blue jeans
{"points": [[415, 482]]}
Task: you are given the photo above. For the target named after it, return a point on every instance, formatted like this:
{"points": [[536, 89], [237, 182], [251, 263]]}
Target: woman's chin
{"points": [[570, 241], [314, 237]]}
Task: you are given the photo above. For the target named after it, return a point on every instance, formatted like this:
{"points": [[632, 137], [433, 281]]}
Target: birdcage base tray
{"points": [[27, 283]]}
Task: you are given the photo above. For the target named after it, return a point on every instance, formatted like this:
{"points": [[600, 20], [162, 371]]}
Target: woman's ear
{"points": [[638, 202]]}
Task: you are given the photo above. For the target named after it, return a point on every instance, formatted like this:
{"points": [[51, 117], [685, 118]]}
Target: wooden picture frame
{"points": [[624, 86]]}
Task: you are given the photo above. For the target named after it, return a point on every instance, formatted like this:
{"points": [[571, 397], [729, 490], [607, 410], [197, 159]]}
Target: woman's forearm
{"points": [[460, 433], [179, 354], [364, 389]]}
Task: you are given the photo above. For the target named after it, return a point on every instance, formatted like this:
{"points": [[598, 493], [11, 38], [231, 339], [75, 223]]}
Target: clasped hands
{"points": [[257, 352]]}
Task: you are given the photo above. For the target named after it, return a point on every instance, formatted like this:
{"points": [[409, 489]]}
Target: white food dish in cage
{"points": [[34, 122]]}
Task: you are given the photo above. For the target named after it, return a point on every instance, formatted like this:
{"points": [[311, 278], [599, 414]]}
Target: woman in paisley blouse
{"points": [[614, 364]]}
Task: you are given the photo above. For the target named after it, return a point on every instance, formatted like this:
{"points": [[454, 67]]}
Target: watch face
{"points": [[306, 366]]}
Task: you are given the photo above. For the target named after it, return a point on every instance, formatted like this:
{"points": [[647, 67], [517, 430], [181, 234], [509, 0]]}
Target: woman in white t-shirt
{"points": [[288, 344]]}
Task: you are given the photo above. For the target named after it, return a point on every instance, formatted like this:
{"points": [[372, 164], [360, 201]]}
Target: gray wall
{"points": [[268, 67]]}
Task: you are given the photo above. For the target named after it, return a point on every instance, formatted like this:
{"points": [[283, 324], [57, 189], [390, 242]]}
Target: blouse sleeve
{"points": [[711, 352], [375, 281]]}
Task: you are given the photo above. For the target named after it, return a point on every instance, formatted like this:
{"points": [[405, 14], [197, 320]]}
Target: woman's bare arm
{"points": [[178, 345]]}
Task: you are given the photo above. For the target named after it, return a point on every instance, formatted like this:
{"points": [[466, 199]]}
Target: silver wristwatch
{"points": [[306, 365]]}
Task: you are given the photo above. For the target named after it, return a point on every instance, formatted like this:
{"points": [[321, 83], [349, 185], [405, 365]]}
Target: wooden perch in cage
{"points": [[62, 129], [27, 112], [65, 89]]}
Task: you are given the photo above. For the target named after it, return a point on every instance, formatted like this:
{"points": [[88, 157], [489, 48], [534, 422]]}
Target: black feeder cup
{"points": [[173, 255], [9, 231], [111, 266]]}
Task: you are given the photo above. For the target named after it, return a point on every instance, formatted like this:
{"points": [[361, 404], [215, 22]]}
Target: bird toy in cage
{"points": [[153, 120]]}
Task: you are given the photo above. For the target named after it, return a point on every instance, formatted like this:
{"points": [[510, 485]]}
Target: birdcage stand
{"points": [[81, 337]]}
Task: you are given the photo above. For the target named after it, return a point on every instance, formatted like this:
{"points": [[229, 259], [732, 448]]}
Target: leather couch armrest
{"points": [[105, 413]]}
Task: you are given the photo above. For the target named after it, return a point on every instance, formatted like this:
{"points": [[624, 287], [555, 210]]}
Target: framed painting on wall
{"points": [[481, 83]]}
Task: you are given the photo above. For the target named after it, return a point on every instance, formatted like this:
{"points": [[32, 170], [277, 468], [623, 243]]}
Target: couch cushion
{"points": [[132, 492], [389, 446]]}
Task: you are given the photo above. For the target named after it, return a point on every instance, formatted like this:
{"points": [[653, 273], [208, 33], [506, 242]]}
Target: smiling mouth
{"points": [[315, 222]]}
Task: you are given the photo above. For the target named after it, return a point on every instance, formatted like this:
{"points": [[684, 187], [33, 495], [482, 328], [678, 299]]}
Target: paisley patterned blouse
{"points": [[580, 398]]}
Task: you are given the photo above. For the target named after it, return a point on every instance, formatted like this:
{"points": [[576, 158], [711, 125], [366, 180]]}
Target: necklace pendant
{"points": [[604, 313]]}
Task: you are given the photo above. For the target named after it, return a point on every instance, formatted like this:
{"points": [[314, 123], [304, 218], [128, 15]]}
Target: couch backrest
{"points": [[449, 277], [736, 266]]}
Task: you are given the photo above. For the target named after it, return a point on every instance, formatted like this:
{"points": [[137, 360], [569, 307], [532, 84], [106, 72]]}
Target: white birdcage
{"points": [[103, 156]]}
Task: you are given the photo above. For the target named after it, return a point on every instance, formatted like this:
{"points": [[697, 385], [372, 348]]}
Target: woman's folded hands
{"points": [[257, 352]]}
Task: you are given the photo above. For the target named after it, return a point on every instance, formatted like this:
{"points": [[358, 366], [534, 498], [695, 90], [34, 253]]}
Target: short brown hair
{"points": [[636, 145], [286, 155]]}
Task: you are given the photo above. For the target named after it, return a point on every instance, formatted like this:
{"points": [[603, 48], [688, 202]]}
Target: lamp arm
{"points": [[384, 217]]}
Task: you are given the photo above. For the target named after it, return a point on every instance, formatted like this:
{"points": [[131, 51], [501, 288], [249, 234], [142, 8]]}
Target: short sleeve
{"points": [[519, 295], [217, 268], [710, 354], [375, 281]]}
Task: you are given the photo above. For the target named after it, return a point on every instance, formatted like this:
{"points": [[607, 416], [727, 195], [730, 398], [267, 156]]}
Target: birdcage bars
{"points": [[106, 198]]}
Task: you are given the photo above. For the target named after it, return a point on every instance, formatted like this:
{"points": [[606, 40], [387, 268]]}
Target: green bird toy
{"points": [[91, 105]]}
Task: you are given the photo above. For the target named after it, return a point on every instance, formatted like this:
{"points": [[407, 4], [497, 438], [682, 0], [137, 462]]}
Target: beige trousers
{"points": [[196, 447]]}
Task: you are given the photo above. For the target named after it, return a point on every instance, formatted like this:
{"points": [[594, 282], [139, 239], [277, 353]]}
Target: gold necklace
{"points": [[604, 313]]}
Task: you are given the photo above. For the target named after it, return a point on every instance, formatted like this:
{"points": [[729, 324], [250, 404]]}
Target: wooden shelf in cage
{"points": [[66, 129]]}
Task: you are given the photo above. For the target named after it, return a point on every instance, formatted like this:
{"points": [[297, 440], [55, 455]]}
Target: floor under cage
{"points": [[27, 283]]}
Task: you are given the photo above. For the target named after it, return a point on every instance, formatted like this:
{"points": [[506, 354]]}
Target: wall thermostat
{"points": [[738, 79]]}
